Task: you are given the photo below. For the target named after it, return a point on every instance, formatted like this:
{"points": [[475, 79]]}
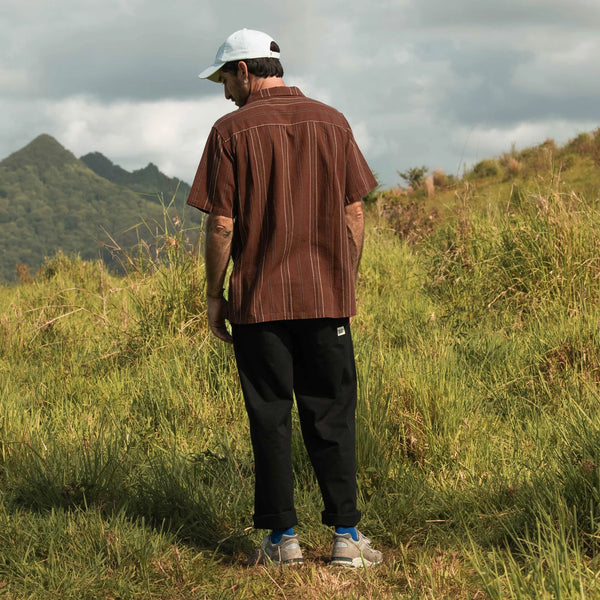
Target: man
{"points": [[282, 181]]}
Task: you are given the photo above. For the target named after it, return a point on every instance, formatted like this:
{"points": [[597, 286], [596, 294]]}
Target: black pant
{"points": [[313, 359]]}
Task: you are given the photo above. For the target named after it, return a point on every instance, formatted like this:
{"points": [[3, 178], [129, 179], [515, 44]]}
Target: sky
{"points": [[435, 83]]}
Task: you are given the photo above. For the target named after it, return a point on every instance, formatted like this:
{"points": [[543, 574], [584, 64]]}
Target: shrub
{"points": [[415, 177], [63, 265], [409, 219], [586, 144], [486, 168], [581, 144], [441, 180]]}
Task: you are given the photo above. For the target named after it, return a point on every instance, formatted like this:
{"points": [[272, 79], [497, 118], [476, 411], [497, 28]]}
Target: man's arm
{"points": [[219, 231], [355, 223]]}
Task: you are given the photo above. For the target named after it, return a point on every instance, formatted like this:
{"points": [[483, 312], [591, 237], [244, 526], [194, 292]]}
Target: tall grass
{"points": [[125, 462]]}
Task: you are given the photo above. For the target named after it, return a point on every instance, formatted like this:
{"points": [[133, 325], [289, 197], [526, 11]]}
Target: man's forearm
{"points": [[219, 231], [355, 222]]}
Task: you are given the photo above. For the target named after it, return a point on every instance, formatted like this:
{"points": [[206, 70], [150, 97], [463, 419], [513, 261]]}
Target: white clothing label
{"points": [[341, 331]]}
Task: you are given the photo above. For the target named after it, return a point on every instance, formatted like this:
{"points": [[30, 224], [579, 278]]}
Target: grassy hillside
{"points": [[125, 463], [503, 181], [51, 201]]}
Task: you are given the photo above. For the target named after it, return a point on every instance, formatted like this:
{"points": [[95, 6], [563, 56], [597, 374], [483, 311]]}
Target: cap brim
{"points": [[212, 72]]}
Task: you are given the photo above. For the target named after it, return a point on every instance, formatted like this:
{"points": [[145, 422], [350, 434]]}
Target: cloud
{"points": [[420, 81], [16, 79], [170, 133], [563, 70], [125, 49], [514, 14]]}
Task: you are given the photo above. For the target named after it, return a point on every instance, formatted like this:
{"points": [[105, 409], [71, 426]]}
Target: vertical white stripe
{"points": [[289, 229], [312, 236], [260, 193]]}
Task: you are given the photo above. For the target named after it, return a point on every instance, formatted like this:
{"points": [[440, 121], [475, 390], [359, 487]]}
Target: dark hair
{"points": [[260, 67]]}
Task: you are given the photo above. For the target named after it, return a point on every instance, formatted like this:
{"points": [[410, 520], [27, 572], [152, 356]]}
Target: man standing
{"points": [[282, 181]]}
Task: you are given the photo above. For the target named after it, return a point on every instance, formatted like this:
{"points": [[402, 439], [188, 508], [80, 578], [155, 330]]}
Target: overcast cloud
{"points": [[422, 82]]}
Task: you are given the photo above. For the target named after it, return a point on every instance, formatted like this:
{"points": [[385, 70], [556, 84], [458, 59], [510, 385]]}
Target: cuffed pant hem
{"points": [[279, 521], [333, 520]]}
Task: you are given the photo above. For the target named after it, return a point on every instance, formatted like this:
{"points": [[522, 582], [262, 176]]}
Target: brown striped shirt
{"points": [[284, 167]]}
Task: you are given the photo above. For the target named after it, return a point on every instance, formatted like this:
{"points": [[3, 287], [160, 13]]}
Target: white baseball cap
{"points": [[241, 45]]}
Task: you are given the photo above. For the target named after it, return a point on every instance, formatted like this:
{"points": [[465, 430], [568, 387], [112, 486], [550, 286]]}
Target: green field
{"points": [[125, 465]]}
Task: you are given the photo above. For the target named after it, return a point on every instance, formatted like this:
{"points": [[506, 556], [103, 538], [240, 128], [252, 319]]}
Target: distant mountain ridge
{"points": [[148, 180], [50, 200]]}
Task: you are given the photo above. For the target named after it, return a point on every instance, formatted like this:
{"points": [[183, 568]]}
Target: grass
{"points": [[125, 464]]}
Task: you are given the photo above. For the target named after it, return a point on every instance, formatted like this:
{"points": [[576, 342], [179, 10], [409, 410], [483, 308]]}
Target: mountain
{"points": [[149, 180], [50, 201], [42, 154]]}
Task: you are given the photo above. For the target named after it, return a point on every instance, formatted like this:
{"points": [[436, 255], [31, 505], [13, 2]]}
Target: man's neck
{"points": [[264, 83]]}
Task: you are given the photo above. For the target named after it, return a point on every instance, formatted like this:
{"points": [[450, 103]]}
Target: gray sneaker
{"points": [[286, 552], [348, 553]]}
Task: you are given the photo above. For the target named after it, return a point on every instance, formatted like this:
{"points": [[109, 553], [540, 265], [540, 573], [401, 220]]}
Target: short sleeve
{"points": [[359, 177], [213, 190]]}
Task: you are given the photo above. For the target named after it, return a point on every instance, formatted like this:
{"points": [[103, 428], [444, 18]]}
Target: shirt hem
{"points": [[286, 317]]}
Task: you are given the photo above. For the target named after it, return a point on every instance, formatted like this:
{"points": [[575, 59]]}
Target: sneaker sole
{"points": [[285, 563], [353, 563]]}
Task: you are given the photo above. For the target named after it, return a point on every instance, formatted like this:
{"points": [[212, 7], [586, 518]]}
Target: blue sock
{"points": [[277, 534], [351, 530]]}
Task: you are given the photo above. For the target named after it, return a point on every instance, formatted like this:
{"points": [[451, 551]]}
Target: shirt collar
{"points": [[274, 92]]}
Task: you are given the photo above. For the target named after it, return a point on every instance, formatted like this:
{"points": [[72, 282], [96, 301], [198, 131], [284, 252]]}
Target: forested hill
{"points": [[148, 181], [50, 201]]}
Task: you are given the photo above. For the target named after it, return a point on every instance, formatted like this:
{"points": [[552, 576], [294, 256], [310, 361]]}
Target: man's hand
{"points": [[217, 313]]}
